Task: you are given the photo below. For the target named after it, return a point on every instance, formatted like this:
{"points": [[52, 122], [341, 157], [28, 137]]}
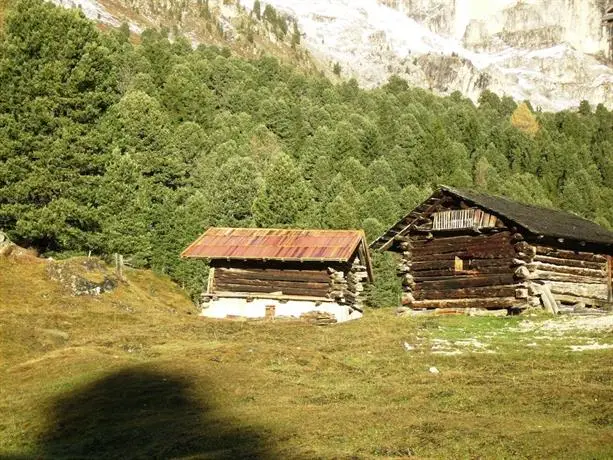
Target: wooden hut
{"points": [[463, 249], [257, 272]]}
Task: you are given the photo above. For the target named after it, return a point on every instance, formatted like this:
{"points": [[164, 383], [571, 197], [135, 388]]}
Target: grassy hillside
{"points": [[136, 374]]}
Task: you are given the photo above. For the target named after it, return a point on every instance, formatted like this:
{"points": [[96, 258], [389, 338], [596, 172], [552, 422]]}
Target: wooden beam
{"points": [[210, 284], [566, 277], [590, 272], [277, 285], [570, 262], [468, 281], [252, 295], [488, 303], [566, 254], [240, 288], [275, 274], [466, 293]]}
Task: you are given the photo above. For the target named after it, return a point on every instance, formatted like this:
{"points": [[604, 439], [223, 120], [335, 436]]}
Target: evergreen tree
{"points": [[283, 195], [257, 9]]}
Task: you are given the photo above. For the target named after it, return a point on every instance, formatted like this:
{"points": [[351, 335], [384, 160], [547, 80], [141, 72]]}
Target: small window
{"points": [[459, 264], [459, 219]]}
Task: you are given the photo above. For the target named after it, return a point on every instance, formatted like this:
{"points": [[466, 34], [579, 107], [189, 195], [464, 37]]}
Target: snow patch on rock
{"points": [[532, 50]]}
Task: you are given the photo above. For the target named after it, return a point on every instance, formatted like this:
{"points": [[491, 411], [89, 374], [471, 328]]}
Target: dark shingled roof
{"points": [[536, 219]]}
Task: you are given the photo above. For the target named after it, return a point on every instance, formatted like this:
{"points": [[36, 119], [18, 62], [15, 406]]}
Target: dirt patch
{"points": [[564, 324], [591, 346]]}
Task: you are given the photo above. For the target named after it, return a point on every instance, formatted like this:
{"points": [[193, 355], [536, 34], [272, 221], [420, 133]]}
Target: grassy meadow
{"points": [[137, 374]]}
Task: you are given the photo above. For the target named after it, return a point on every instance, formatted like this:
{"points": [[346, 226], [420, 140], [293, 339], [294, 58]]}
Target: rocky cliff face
{"points": [[548, 51]]}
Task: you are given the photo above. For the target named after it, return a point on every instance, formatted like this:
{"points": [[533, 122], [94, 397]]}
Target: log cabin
{"points": [[461, 249], [267, 273]]}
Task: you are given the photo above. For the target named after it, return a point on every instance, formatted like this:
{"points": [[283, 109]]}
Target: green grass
{"points": [[139, 375]]}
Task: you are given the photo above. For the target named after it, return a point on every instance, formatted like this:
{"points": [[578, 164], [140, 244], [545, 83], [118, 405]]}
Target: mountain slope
{"points": [[548, 52], [223, 23], [544, 51]]}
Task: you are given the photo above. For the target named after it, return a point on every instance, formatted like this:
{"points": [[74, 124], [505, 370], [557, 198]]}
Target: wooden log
{"points": [[522, 273], [419, 239], [521, 293], [445, 245], [572, 255], [468, 281], [488, 303], [466, 293], [281, 275], [437, 275], [573, 299], [468, 245], [569, 262], [589, 291], [259, 289], [222, 279], [480, 264], [549, 302], [473, 246], [433, 264], [483, 252], [407, 298], [515, 237], [525, 248], [590, 272], [565, 277]]}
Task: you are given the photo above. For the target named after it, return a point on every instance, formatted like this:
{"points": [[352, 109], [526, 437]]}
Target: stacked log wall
{"points": [[565, 276], [312, 283], [432, 277], [341, 282]]}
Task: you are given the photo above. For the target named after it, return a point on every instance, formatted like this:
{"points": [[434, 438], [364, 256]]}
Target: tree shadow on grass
{"points": [[143, 413]]}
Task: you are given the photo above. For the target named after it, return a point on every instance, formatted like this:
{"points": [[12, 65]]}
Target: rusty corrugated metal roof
{"points": [[276, 244]]}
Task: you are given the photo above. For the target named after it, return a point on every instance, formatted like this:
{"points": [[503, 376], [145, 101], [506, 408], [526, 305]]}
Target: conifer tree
{"points": [[283, 195]]}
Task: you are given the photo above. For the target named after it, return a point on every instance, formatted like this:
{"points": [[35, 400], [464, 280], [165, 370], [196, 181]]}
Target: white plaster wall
{"points": [[223, 307]]}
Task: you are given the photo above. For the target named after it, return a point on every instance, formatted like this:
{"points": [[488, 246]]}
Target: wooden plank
{"points": [[240, 288], [256, 295], [419, 239], [438, 245], [474, 247], [573, 299], [565, 277], [468, 281], [589, 291], [567, 254], [488, 303], [211, 281], [223, 280], [483, 252], [443, 274], [590, 272], [467, 293], [281, 275], [570, 262]]}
